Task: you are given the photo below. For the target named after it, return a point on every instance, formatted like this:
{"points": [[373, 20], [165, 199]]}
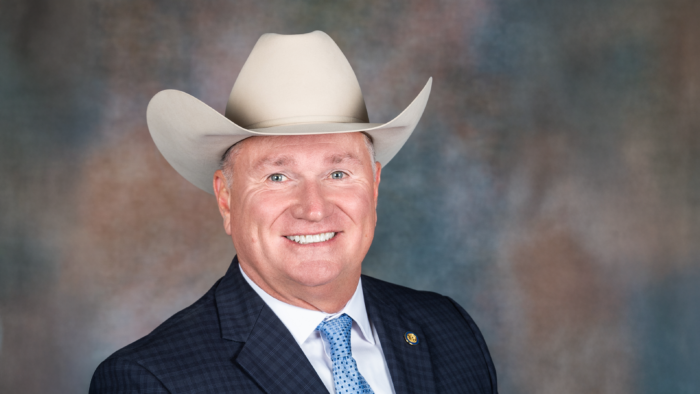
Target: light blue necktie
{"points": [[346, 377]]}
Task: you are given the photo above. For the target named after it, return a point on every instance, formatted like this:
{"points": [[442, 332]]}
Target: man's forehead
{"points": [[290, 150], [284, 159]]}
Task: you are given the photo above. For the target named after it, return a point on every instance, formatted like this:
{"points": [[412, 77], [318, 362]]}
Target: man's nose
{"points": [[312, 203]]}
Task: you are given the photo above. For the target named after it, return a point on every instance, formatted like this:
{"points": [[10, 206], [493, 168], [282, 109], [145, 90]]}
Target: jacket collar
{"points": [[237, 304]]}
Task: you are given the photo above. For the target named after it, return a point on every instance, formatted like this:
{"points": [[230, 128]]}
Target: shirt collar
{"points": [[303, 322]]}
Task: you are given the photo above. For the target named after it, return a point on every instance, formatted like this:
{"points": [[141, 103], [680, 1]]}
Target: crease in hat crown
{"points": [[289, 85], [296, 79]]}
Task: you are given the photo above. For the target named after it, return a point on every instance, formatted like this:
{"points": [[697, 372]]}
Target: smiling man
{"points": [[296, 167]]}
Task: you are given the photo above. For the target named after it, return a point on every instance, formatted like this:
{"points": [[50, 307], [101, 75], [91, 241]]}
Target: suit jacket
{"points": [[230, 341]]}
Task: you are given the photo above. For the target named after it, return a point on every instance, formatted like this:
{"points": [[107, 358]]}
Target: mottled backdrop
{"points": [[551, 187]]}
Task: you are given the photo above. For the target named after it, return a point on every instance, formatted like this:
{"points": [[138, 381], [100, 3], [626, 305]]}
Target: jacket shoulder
{"points": [[455, 340], [187, 344], [409, 301]]}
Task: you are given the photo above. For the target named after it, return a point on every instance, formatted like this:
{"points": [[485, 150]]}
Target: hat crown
{"points": [[295, 79]]}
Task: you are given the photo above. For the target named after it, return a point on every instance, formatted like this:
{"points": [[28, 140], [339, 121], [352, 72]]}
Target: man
{"points": [[296, 169]]}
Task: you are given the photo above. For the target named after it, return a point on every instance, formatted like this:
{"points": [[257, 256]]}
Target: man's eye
{"points": [[337, 175], [277, 177]]}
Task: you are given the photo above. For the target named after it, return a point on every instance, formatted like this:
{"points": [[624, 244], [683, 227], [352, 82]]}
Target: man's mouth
{"points": [[310, 239]]}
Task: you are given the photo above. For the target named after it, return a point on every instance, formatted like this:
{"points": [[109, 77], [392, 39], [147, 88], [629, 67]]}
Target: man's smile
{"points": [[311, 238]]}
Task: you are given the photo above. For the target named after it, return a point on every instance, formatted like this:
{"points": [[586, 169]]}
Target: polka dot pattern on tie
{"points": [[346, 377]]}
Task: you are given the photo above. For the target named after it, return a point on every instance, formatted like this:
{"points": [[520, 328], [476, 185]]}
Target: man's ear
{"points": [[377, 179], [223, 199]]}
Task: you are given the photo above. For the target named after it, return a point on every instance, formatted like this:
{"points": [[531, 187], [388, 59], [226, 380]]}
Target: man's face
{"points": [[296, 187]]}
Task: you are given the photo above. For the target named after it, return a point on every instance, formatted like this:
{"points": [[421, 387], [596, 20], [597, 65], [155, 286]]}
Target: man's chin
{"points": [[316, 273]]}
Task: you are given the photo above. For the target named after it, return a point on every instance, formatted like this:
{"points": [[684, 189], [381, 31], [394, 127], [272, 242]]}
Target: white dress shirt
{"points": [[366, 349]]}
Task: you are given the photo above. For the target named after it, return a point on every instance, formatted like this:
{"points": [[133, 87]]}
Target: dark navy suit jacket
{"points": [[230, 341]]}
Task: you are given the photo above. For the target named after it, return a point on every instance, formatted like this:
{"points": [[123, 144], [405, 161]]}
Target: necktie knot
{"points": [[337, 332]]}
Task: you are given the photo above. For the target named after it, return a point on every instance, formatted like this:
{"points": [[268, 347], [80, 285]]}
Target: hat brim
{"points": [[192, 136]]}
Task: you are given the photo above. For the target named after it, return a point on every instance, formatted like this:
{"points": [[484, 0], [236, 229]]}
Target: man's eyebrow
{"points": [[339, 158], [274, 161]]}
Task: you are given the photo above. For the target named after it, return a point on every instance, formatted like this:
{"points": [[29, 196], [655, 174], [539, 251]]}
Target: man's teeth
{"points": [[310, 239]]}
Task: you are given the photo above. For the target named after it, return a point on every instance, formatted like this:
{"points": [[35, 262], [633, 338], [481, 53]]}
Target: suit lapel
{"points": [[275, 361], [270, 354], [409, 365]]}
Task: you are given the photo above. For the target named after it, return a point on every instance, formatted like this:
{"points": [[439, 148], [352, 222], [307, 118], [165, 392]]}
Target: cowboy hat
{"points": [[290, 85]]}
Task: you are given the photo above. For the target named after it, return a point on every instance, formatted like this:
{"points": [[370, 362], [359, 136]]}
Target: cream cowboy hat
{"points": [[290, 85]]}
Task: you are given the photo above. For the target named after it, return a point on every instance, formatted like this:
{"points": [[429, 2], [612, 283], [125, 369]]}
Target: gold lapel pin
{"points": [[411, 338]]}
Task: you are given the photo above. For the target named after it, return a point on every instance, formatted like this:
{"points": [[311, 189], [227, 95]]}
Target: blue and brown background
{"points": [[552, 186]]}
